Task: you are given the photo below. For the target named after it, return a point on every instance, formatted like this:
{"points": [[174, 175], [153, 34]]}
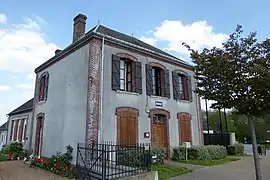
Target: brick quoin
{"points": [[201, 119], [93, 91]]}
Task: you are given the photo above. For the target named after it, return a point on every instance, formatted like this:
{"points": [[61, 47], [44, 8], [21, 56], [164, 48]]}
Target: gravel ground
{"points": [[16, 170]]}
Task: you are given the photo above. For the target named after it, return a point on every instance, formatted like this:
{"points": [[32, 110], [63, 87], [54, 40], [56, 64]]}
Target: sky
{"points": [[30, 31]]}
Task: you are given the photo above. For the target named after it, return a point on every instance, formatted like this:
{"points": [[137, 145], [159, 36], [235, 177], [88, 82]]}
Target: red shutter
{"points": [[16, 130], [11, 130], [185, 87], [24, 131], [21, 129]]}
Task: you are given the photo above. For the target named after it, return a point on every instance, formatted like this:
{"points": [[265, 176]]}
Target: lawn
{"points": [[167, 171], [3, 157], [210, 162]]}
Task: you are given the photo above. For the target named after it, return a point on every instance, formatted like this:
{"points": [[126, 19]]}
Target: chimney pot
{"points": [[57, 51], [79, 26]]}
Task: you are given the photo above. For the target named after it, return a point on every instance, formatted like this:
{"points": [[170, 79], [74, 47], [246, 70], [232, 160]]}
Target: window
{"points": [[43, 87], [157, 80], [182, 89], [156, 75], [126, 75]]}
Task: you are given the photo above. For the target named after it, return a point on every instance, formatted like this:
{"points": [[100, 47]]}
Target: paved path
{"points": [[248, 150], [16, 170], [237, 170]]}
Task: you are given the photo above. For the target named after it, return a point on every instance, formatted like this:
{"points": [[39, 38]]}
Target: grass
{"points": [[3, 157], [210, 162], [168, 171]]}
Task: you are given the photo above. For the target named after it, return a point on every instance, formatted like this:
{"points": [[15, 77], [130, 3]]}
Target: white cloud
{"points": [[23, 47], [198, 35], [3, 19], [4, 88], [150, 41]]}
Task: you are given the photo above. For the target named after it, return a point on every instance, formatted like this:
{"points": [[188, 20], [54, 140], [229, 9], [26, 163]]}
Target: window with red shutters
{"points": [[42, 90]]}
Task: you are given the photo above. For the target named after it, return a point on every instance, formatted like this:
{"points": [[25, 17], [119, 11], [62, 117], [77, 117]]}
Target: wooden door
{"points": [[159, 131], [127, 127], [185, 128]]}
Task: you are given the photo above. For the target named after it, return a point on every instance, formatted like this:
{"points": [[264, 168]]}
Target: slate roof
{"points": [[4, 126], [28, 106], [118, 35], [114, 34]]}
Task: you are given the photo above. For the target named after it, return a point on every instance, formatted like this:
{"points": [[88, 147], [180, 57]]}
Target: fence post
{"points": [[103, 161], [77, 163]]}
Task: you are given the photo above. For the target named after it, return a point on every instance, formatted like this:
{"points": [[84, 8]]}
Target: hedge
{"points": [[238, 148], [209, 152]]}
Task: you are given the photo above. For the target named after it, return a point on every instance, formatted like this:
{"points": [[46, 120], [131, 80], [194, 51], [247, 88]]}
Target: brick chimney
{"points": [[79, 26]]}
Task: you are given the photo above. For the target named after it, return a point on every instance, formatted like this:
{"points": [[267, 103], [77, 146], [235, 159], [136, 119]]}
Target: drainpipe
{"points": [[101, 130]]}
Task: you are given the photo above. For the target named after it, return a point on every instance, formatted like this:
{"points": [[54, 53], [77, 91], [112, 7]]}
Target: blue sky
{"points": [[30, 31]]}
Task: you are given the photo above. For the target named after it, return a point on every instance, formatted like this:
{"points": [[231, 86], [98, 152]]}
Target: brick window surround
{"points": [[127, 125]]}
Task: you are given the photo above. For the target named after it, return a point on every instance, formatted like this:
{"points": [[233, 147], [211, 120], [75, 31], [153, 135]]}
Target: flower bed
{"points": [[58, 164]]}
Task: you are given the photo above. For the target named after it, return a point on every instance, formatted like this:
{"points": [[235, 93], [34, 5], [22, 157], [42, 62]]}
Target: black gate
{"points": [[222, 139], [111, 161]]}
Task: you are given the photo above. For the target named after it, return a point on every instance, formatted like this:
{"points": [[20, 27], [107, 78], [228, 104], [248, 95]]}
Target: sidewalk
{"points": [[237, 170]]}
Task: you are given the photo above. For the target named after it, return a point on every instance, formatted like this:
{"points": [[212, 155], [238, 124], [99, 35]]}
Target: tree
{"points": [[236, 76]]}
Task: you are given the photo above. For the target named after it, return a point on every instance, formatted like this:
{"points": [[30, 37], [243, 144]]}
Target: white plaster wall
{"points": [[113, 99], [65, 108], [28, 116]]}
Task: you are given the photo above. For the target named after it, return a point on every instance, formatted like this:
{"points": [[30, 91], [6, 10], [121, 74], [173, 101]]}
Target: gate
{"points": [[111, 161], [222, 139]]}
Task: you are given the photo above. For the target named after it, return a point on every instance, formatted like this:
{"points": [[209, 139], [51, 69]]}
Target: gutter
{"points": [[101, 129]]}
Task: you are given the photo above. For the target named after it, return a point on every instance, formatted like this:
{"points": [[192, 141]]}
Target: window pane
{"points": [[122, 64], [129, 86], [128, 77], [128, 66], [122, 74], [160, 119], [122, 84], [155, 119]]}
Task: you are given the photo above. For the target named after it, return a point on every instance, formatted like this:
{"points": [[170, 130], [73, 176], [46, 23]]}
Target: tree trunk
{"points": [[254, 147]]}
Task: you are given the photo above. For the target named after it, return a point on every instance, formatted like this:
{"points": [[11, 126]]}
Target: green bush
{"points": [[134, 157], [209, 152], [238, 148], [159, 152], [15, 148]]}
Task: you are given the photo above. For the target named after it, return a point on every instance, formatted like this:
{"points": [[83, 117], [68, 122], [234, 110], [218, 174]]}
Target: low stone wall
{"points": [[153, 175]]}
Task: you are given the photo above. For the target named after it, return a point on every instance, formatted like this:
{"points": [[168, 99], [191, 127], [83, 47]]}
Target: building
{"points": [[19, 125], [108, 86], [3, 135]]}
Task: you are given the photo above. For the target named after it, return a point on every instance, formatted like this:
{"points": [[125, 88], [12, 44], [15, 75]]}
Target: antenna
{"points": [[97, 26]]}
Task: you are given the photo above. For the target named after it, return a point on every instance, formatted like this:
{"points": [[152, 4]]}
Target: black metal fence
{"points": [[109, 160], [222, 139]]}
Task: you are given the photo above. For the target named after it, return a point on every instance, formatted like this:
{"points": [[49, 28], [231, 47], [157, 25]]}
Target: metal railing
{"points": [[110, 160]]}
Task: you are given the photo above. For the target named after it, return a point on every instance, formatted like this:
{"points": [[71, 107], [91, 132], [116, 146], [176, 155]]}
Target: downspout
{"points": [[101, 129], [198, 118]]}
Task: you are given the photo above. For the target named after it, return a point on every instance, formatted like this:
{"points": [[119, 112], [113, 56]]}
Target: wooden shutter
{"points": [[16, 130], [176, 94], [115, 72], [190, 92], [46, 86], [149, 79], [138, 77], [21, 129], [185, 128], [167, 83], [185, 88], [38, 89], [11, 130]]}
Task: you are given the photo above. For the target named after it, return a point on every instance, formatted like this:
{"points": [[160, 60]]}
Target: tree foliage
{"points": [[236, 75]]}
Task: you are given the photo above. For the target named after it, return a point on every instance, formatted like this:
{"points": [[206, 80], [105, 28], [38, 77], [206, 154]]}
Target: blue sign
{"points": [[159, 104]]}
